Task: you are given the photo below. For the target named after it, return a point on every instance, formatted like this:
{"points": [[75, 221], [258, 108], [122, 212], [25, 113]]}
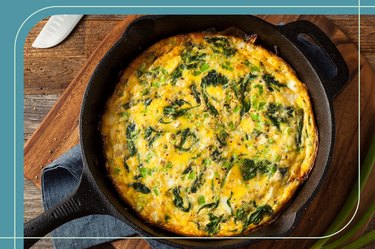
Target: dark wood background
{"points": [[49, 71]]}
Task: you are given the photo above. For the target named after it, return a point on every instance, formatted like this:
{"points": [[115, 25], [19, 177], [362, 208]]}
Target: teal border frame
{"points": [[31, 20]]}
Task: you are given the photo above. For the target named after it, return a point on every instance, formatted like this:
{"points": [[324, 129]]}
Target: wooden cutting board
{"points": [[59, 131]]}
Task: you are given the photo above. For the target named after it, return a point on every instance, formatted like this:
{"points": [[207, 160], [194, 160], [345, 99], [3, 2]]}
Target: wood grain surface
{"points": [[63, 72]]}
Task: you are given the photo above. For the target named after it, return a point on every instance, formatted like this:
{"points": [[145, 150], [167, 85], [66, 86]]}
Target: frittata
{"points": [[208, 135]]}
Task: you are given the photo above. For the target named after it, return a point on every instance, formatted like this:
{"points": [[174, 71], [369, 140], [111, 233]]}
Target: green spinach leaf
{"points": [[151, 135], [244, 93], [193, 58], [213, 226], [188, 169], [179, 202], [126, 166], [140, 187], [177, 108], [211, 205], [277, 114], [185, 140], [195, 93], [221, 45], [249, 168], [130, 136], [177, 73], [271, 83], [212, 78], [222, 136], [198, 182], [300, 116], [257, 216]]}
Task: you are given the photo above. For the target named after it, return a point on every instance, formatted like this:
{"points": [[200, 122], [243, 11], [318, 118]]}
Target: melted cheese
{"points": [[207, 135]]}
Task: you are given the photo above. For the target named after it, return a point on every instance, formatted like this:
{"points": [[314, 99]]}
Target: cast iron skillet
{"points": [[324, 75]]}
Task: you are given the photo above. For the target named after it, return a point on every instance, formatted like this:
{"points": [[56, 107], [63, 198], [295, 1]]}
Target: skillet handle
{"points": [[82, 202], [328, 62]]}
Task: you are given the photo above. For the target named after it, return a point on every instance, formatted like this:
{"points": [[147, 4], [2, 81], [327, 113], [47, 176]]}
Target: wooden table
{"points": [[49, 71]]}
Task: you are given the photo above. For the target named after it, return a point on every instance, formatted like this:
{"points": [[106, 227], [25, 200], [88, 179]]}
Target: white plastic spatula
{"points": [[56, 30]]}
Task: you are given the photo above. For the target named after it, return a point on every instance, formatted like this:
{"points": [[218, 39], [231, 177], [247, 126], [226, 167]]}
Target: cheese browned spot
{"points": [[208, 135]]}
